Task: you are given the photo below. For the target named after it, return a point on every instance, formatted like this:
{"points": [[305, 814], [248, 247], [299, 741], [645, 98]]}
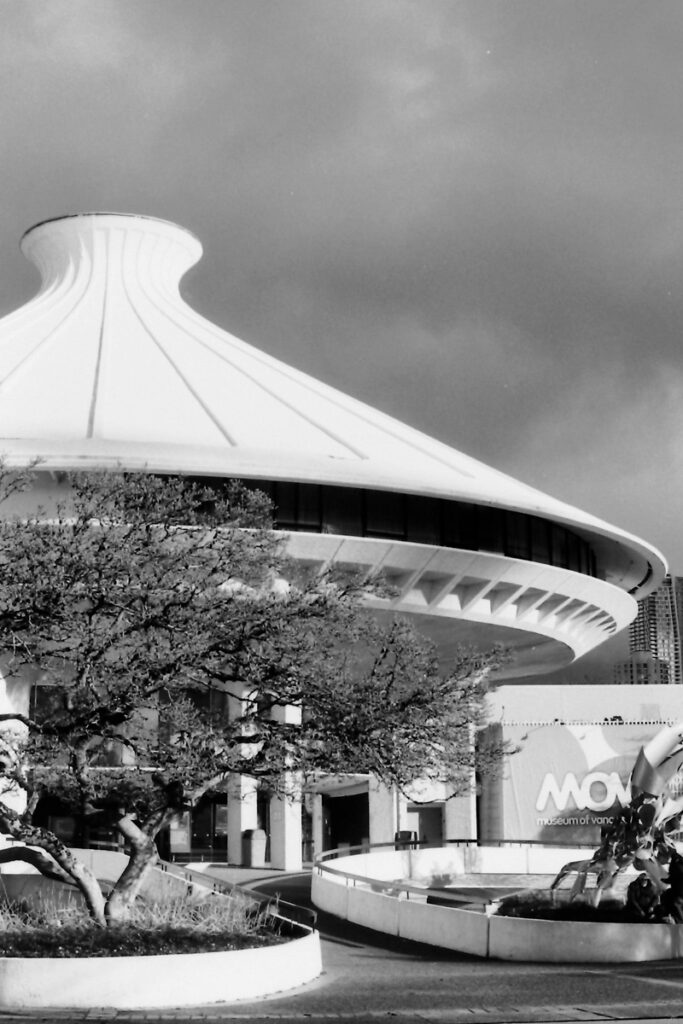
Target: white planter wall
{"points": [[158, 982], [388, 909]]}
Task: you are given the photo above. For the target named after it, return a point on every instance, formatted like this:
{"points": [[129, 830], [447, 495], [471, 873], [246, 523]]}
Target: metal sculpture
{"points": [[641, 835]]}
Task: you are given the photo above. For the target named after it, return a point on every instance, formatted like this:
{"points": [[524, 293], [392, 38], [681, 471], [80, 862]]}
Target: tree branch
{"points": [[37, 859], [15, 716]]}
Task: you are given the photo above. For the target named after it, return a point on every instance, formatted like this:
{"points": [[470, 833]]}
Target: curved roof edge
{"points": [[107, 366], [632, 563], [101, 214]]}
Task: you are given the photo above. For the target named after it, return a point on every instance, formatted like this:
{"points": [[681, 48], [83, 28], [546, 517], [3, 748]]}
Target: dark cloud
{"points": [[468, 214]]}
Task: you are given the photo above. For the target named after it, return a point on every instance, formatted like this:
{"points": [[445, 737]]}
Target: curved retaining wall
{"points": [[449, 928], [407, 915], [442, 864], [158, 982], [513, 938]]}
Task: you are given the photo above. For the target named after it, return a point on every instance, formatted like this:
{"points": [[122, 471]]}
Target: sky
{"points": [[468, 213]]}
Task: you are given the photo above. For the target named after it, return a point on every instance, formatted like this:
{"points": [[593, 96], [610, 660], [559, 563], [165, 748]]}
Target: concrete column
{"points": [[242, 790], [285, 833], [460, 817], [385, 811], [285, 813], [316, 804], [241, 813]]}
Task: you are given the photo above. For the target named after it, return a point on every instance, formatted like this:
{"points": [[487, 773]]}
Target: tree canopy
{"points": [[169, 633]]}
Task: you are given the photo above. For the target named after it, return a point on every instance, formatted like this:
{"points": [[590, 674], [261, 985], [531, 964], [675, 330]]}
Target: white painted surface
{"points": [[513, 938], [373, 910], [422, 865], [503, 938], [242, 814], [413, 918], [460, 817], [285, 813], [381, 811], [577, 612], [108, 366], [446, 927], [157, 982]]}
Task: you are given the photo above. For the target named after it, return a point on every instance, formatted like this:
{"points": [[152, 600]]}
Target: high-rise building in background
{"points": [[642, 669], [655, 637]]}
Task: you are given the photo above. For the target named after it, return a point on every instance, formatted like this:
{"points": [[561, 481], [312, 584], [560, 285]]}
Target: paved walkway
{"points": [[451, 1015]]}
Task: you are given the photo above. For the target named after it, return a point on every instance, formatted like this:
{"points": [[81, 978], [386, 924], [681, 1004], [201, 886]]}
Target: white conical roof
{"points": [[108, 365]]}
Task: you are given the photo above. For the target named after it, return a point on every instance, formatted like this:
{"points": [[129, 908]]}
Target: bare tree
{"points": [[144, 596]]}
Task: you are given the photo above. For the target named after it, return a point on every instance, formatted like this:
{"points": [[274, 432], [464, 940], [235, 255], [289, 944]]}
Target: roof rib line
{"points": [[219, 426], [197, 318], [333, 395], [357, 408], [100, 345], [29, 355], [45, 295]]}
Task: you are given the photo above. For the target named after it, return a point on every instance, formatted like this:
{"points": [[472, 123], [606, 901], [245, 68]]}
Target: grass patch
{"points": [[215, 924]]}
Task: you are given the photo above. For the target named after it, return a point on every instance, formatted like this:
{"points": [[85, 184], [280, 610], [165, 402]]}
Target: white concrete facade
{"points": [[108, 367]]}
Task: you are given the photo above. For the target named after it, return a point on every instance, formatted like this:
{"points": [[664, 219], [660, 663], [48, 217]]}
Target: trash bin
{"points": [[405, 840], [254, 848]]}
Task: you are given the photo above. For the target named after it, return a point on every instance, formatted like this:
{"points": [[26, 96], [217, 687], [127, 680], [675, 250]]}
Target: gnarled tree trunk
{"points": [[61, 865], [143, 857]]}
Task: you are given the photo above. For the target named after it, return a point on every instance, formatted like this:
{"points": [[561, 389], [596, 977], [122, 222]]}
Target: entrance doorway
{"points": [[426, 820], [346, 821], [209, 828]]}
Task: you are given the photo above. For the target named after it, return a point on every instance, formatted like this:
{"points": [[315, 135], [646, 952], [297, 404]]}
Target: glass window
{"points": [[517, 535], [540, 540], [423, 519], [285, 504], [490, 529], [573, 551], [384, 514], [460, 525], [342, 511], [559, 556], [357, 512], [309, 513]]}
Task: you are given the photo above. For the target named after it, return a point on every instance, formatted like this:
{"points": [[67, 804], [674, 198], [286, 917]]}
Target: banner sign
{"points": [[567, 781]]}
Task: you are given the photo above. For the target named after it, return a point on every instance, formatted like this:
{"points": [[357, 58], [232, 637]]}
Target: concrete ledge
{"points": [[386, 909], [373, 910], [158, 982], [446, 927], [516, 938]]}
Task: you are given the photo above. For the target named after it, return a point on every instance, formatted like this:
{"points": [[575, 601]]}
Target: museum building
{"points": [[108, 367]]}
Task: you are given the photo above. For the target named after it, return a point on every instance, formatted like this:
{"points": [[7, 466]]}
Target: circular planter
{"points": [[357, 890], [158, 982]]}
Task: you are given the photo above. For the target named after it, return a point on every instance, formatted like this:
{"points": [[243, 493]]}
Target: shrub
{"points": [[219, 923], [538, 904]]}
